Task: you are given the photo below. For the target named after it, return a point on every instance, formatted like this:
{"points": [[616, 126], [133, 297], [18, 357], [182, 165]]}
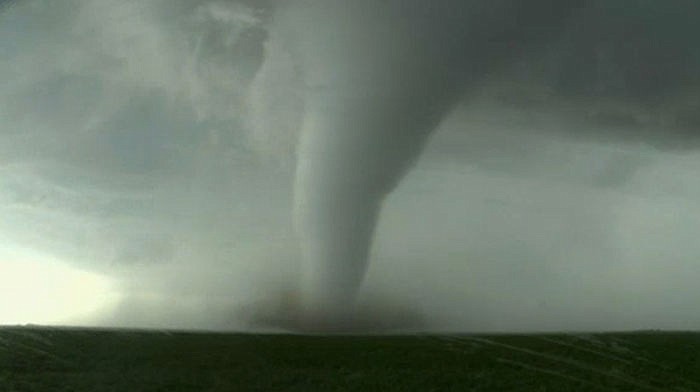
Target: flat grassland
{"points": [[82, 359]]}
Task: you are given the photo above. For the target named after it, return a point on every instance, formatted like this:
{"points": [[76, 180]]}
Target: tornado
{"points": [[378, 77]]}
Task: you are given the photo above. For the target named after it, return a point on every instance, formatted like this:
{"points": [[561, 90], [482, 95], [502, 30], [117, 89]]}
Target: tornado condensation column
{"points": [[379, 76], [342, 179], [373, 96]]}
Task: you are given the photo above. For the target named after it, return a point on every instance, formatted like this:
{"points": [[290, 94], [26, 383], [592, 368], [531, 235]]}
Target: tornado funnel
{"points": [[378, 78]]}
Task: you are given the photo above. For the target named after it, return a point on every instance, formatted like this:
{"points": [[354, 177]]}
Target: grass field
{"points": [[64, 359]]}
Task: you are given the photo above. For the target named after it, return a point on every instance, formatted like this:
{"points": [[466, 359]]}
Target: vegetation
{"points": [[62, 359]]}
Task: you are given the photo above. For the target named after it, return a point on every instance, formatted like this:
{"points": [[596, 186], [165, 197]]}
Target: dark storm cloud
{"points": [[629, 69]]}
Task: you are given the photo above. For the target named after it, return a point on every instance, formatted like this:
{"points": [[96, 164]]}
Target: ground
{"points": [[73, 359]]}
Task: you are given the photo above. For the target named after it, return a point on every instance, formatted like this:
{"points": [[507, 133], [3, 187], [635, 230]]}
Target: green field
{"points": [[64, 359]]}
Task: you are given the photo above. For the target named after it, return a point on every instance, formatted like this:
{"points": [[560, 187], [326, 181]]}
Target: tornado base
{"points": [[282, 312]]}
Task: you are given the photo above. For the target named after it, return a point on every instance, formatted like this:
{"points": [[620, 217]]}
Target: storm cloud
{"points": [[555, 194]]}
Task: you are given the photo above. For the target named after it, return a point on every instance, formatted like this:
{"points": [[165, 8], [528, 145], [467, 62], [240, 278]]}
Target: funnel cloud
{"points": [[379, 78]]}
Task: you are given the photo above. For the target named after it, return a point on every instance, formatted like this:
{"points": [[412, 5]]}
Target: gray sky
{"points": [[133, 193]]}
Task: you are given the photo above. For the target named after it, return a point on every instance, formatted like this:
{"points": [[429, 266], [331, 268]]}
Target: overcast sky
{"points": [[132, 192]]}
